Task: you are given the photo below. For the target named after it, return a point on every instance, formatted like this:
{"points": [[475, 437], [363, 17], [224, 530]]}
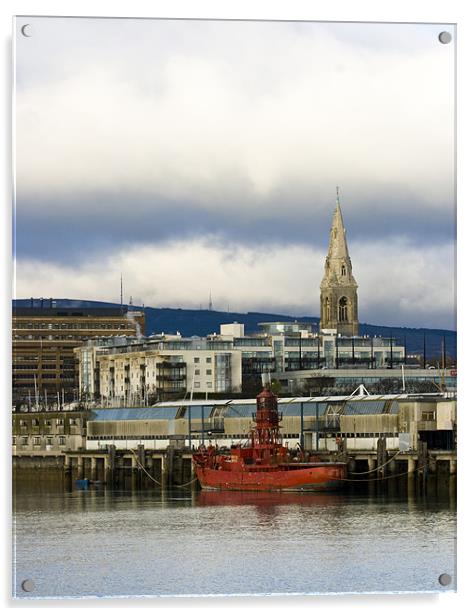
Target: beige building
{"points": [[48, 433], [128, 373]]}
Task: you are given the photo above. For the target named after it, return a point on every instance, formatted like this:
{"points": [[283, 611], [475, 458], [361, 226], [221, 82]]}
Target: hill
{"points": [[203, 322]]}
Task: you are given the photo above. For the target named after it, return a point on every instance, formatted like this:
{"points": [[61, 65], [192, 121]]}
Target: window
{"points": [[209, 371], [36, 440], [197, 371], [49, 440], [343, 270], [60, 422], [209, 360], [209, 384], [196, 385], [343, 309], [196, 360], [62, 440], [24, 440], [14, 440]]}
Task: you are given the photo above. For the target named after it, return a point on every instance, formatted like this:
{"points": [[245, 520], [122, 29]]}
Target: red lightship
{"points": [[265, 464]]}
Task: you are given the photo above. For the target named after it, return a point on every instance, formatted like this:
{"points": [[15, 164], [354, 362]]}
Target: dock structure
{"points": [[173, 467], [145, 468], [380, 437]]}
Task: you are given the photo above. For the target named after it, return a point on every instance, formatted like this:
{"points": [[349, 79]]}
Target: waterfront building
{"points": [[339, 302], [44, 337], [125, 372], [47, 434], [318, 423], [356, 427]]}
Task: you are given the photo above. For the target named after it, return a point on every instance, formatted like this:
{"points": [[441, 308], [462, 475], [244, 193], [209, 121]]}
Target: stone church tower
{"points": [[338, 287]]}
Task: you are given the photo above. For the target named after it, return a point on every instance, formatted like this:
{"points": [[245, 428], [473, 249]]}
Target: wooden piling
{"points": [[381, 456], [110, 465]]}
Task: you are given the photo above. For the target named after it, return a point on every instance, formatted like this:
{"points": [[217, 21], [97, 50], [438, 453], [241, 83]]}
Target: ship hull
{"points": [[298, 479]]}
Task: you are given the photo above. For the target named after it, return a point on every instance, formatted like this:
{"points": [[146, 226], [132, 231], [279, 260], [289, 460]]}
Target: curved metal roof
{"points": [[134, 414], [289, 407]]}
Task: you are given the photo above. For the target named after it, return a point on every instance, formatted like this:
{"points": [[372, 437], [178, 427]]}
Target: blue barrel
{"points": [[82, 484]]}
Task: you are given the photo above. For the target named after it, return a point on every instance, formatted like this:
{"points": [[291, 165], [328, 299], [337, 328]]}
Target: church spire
{"points": [[337, 237], [338, 286]]}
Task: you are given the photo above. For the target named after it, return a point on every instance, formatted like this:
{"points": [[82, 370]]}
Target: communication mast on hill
{"points": [[210, 304]]}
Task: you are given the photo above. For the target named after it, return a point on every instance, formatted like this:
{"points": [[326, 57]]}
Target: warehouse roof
{"points": [[289, 407]]}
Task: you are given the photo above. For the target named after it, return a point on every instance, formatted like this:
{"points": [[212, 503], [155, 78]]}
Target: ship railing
{"points": [[280, 416]]}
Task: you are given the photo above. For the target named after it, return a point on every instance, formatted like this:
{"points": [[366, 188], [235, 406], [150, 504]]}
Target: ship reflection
{"points": [[265, 499]]}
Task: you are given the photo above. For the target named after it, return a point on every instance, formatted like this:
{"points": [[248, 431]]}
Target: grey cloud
{"points": [[74, 229]]}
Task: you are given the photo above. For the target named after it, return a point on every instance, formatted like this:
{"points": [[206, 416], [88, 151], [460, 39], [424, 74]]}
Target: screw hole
{"points": [[444, 37], [28, 585], [444, 579], [26, 30]]}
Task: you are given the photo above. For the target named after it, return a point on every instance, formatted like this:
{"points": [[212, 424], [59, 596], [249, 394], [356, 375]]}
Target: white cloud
{"points": [[404, 289], [224, 115]]}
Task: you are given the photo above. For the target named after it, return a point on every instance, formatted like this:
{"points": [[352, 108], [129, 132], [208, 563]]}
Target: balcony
{"points": [[169, 378], [170, 388], [171, 364]]}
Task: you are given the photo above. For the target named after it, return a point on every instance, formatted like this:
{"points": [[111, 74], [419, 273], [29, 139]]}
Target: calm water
{"points": [[114, 543]]}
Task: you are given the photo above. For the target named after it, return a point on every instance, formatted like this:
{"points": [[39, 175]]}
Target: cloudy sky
{"points": [[194, 156]]}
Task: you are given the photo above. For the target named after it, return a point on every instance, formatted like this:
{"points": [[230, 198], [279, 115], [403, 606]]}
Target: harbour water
{"points": [[102, 543]]}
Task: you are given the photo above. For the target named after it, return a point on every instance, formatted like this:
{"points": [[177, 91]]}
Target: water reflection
{"points": [[266, 499], [187, 541]]}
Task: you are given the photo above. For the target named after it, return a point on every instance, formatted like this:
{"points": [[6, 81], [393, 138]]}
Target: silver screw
{"points": [[444, 37], [444, 579], [28, 585]]}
